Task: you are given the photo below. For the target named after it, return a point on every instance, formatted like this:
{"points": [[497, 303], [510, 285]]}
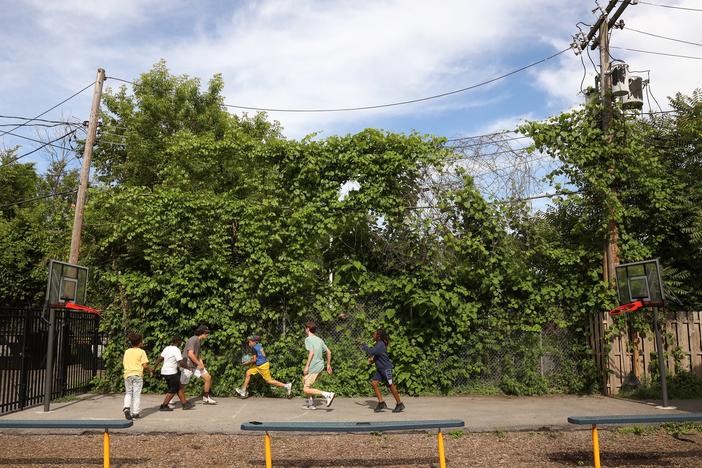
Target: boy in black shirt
{"points": [[383, 366]]}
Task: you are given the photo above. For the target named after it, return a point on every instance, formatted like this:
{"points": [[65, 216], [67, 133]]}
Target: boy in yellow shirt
{"points": [[134, 362]]}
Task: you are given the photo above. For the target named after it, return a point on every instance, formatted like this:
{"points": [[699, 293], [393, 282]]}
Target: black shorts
{"points": [[383, 375], [173, 382]]}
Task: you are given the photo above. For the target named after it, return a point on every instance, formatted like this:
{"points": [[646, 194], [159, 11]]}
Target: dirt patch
{"points": [[520, 449]]}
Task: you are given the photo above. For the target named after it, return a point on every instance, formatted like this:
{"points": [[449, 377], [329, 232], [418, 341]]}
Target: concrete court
{"points": [[481, 413]]}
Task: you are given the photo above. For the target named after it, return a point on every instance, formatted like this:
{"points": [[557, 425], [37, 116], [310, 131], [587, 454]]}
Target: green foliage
{"points": [[683, 385], [204, 217]]}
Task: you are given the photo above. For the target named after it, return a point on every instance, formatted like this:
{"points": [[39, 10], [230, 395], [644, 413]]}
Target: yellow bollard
{"points": [[596, 446], [267, 443], [442, 457], [106, 449]]}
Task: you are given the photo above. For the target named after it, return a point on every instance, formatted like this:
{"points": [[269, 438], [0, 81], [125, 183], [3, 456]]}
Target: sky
{"points": [[335, 54]]}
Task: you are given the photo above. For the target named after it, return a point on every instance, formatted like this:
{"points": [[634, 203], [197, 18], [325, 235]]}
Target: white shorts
{"points": [[186, 374]]}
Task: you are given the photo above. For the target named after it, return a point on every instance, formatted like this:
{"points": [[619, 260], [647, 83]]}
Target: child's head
{"points": [[202, 332], [176, 341], [134, 339], [381, 335], [253, 340], [311, 326]]}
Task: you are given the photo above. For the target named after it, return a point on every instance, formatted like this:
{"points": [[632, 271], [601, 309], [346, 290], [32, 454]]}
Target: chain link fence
{"points": [[487, 361]]}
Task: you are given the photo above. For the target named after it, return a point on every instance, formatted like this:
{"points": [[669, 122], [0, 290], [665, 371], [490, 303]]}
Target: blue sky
{"points": [[310, 54]]}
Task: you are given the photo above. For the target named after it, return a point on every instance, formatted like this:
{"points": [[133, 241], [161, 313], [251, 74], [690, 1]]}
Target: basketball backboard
{"points": [[640, 281], [66, 283]]}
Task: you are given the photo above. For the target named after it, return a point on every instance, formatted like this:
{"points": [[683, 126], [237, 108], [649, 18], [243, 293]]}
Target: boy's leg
{"points": [[207, 378], [395, 393], [247, 379], [181, 394], [266, 374], [308, 381], [127, 406], [167, 399], [376, 389], [138, 384]]}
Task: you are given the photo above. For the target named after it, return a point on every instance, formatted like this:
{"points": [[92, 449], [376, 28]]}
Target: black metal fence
{"points": [[24, 336]]}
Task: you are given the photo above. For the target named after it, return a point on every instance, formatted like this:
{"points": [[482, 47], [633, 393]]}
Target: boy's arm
{"points": [[198, 362], [158, 361], [329, 367], [309, 359]]}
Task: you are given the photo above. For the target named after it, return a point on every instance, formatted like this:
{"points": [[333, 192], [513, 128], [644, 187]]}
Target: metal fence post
{"points": [[23, 356], [48, 378]]}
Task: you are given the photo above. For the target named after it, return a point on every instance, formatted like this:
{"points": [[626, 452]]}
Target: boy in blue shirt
{"points": [[383, 372], [259, 365]]}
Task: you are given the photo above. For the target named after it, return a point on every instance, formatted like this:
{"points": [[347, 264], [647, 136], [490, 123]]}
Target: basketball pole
{"points": [[661, 358], [49, 377]]}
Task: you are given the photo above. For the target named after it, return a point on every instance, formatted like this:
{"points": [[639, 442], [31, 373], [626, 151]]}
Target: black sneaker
{"points": [[187, 405], [399, 408], [165, 408], [127, 414], [381, 406]]}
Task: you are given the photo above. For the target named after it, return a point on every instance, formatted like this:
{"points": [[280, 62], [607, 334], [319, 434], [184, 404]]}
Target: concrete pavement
{"points": [[481, 413]]}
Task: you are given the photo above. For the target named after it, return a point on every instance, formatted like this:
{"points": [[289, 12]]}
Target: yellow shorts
{"points": [[263, 369], [309, 379]]}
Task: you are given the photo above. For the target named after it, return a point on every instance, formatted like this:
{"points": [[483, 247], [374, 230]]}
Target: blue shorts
{"points": [[383, 375]]}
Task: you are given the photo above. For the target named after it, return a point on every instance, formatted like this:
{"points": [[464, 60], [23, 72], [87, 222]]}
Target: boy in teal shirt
{"points": [[315, 347]]}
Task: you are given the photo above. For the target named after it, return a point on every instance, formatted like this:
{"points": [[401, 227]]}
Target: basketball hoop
{"points": [[625, 308]]}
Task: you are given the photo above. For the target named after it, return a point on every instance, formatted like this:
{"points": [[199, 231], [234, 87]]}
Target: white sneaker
{"points": [[288, 388], [171, 404], [329, 396], [242, 393], [208, 400], [310, 407]]}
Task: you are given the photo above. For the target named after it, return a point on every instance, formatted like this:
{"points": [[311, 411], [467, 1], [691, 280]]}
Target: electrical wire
{"points": [[48, 110], [49, 143], [15, 117], [657, 53], [663, 37], [27, 200], [670, 6], [400, 103]]}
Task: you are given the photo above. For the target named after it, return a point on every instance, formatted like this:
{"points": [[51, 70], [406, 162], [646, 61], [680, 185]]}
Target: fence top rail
{"points": [[350, 426], [636, 419], [64, 424]]}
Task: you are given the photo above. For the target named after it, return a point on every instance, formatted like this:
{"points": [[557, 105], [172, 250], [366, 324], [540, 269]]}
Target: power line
{"points": [[657, 53], [662, 37], [27, 200], [119, 79], [15, 117], [48, 110], [49, 143], [400, 103], [670, 6]]}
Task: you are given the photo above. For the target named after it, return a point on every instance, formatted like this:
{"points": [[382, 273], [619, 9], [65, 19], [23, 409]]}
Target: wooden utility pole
{"points": [[611, 248], [85, 168]]}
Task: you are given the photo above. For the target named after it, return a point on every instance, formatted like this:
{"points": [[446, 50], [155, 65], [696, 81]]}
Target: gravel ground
{"points": [[514, 449]]}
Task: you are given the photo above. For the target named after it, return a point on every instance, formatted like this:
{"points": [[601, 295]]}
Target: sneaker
{"points": [[208, 400], [381, 406], [399, 408], [329, 397], [187, 405], [136, 416], [241, 392], [171, 404], [288, 388], [127, 414], [310, 407], [165, 408]]}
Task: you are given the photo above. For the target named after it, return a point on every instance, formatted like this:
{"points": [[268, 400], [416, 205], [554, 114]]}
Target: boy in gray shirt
{"points": [[196, 364]]}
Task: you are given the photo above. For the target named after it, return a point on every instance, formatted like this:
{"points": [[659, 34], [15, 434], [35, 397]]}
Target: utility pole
{"points": [[85, 168], [611, 249]]}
